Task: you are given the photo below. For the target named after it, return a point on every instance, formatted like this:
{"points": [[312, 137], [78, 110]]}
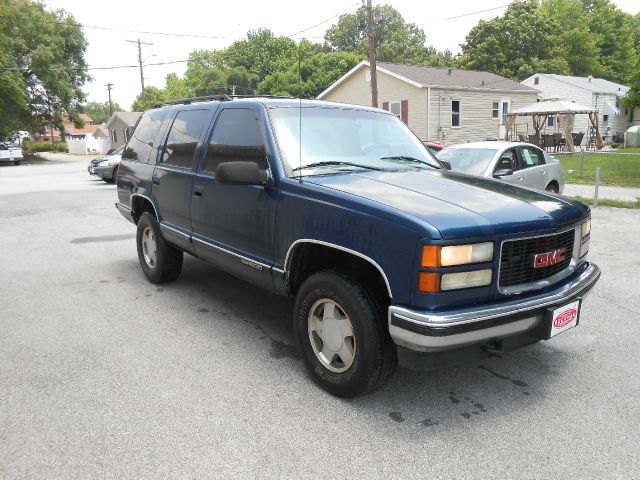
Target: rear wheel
{"points": [[17, 162], [342, 336], [160, 261]]}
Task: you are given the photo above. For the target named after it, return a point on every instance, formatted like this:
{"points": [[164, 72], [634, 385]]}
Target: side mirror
{"points": [[445, 164], [503, 172], [242, 173]]}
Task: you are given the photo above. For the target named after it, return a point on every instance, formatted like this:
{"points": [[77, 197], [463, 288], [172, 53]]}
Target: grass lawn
{"points": [[608, 202], [615, 170]]}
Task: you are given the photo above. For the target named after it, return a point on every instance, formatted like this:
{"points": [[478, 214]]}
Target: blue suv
{"points": [[342, 208]]}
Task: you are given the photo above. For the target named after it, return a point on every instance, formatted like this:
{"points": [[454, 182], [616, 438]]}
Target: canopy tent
{"points": [[566, 111]]}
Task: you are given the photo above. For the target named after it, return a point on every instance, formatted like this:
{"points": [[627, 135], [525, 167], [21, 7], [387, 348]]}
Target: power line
{"points": [[60, 69], [325, 21], [461, 16]]}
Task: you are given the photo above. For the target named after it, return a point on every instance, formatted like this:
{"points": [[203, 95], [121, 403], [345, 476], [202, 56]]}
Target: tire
{"points": [[17, 162], [552, 187], [369, 353], [159, 261]]}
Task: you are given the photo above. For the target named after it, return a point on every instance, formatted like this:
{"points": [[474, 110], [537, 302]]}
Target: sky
{"points": [[231, 21]]}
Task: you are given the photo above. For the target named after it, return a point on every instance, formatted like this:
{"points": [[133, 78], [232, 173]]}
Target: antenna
{"points": [[299, 114]]}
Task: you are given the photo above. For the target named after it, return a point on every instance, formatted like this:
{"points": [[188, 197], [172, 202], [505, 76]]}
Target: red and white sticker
{"points": [[564, 318]]}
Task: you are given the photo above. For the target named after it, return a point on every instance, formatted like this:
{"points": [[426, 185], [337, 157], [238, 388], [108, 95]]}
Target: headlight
{"points": [[585, 229], [434, 256], [454, 281]]}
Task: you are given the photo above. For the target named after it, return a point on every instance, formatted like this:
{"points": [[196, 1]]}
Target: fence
{"points": [[88, 145]]}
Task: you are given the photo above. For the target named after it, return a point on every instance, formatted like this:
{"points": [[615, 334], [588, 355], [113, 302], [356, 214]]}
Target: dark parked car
{"points": [[342, 208]]}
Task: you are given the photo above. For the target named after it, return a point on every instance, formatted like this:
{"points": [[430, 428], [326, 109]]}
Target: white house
{"points": [[120, 126], [443, 104], [601, 94]]}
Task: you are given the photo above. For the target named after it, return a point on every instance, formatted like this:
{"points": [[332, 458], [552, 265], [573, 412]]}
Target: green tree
{"points": [[317, 72], [99, 111], [154, 95], [632, 98], [395, 39], [43, 66], [515, 45], [261, 53]]}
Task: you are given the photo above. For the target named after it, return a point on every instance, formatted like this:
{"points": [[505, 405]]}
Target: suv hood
{"points": [[459, 205]]}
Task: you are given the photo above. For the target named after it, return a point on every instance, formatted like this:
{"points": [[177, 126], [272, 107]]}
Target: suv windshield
{"points": [[346, 140]]}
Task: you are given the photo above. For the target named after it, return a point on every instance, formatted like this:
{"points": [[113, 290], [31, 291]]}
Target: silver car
{"points": [[516, 162]]}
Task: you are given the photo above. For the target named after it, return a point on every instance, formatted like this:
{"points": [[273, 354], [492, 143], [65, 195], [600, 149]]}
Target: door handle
{"points": [[521, 178], [542, 172], [198, 191]]}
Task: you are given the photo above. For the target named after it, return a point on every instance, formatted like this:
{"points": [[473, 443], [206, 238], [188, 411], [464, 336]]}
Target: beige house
{"points": [[120, 126], [442, 104]]}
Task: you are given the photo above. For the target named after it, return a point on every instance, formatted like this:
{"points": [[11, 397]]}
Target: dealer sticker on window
{"points": [[564, 318]]}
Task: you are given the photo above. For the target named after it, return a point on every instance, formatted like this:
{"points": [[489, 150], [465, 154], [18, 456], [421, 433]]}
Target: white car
{"points": [[10, 152], [516, 162]]}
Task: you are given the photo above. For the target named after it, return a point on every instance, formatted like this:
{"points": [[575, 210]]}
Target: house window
{"points": [[495, 112], [395, 108], [536, 81], [114, 136], [455, 113], [605, 118], [125, 132], [551, 120]]}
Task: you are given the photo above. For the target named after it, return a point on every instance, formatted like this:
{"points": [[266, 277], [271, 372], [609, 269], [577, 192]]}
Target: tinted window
{"points": [[183, 138], [531, 157], [507, 161], [236, 136], [142, 141]]}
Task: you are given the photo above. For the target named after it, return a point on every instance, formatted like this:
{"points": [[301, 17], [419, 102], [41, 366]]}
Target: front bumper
{"points": [[428, 331]]}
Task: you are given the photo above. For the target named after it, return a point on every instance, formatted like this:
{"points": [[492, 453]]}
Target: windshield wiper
{"points": [[406, 158], [335, 164]]}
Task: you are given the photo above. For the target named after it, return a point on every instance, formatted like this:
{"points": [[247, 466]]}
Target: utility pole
{"points": [[109, 87], [372, 56], [139, 43]]}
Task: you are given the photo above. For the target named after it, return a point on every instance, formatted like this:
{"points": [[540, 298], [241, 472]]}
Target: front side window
{"points": [[183, 138], [455, 113], [531, 157], [236, 137]]}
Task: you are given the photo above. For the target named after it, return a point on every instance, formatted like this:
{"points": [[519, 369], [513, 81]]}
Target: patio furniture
{"points": [[558, 142], [548, 142], [577, 138]]}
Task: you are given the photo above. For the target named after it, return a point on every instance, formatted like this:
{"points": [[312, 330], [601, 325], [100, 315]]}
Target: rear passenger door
{"points": [[233, 225], [173, 176], [535, 169]]}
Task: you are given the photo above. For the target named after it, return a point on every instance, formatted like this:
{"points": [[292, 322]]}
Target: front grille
{"points": [[516, 261]]}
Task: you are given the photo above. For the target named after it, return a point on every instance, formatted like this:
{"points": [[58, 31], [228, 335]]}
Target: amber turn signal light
{"points": [[428, 282], [430, 256]]}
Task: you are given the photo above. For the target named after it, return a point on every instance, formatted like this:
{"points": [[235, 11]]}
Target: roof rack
{"points": [[219, 98]]}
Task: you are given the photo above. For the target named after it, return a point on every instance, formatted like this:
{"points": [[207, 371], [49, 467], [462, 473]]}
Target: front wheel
{"points": [[160, 261], [342, 336]]}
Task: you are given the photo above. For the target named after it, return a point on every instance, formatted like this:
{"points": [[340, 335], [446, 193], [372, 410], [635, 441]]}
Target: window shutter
{"points": [[385, 106], [404, 111]]}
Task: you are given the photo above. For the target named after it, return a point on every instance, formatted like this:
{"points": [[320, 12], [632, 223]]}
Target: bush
{"points": [[46, 147]]}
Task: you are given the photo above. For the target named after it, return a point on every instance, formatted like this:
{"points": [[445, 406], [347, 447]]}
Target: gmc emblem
{"points": [[549, 258]]}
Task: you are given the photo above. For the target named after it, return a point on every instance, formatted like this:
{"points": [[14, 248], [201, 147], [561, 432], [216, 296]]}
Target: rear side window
{"points": [[531, 157], [142, 141], [183, 138], [236, 136]]}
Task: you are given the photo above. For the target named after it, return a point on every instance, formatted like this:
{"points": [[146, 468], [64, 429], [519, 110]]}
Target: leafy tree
{"points": [[43, 66], [515, 45], [175, 87], [317, 72], [632, 98], [153, 94], [99, 111], [261, 53], [395, 40]]}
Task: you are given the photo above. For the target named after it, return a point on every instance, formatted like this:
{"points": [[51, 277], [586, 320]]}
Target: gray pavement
{"points": [[614, 193], [104, 375]]}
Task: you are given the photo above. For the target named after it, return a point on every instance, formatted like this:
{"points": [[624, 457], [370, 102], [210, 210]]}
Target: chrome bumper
{"points": [[436, 331]]}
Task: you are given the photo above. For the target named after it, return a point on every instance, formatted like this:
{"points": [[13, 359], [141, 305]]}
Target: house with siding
{"points": [[442, 104], [120, 126], [601, 94]]}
